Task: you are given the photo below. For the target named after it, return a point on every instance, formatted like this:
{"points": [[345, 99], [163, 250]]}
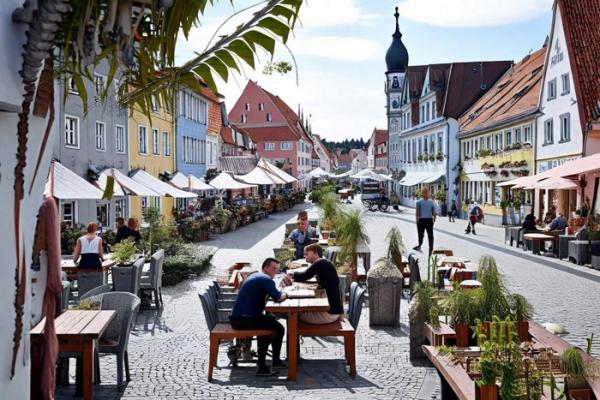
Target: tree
{"points": [[64, 39]]}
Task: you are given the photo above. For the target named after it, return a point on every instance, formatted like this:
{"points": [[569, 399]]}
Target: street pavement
{"points": [[168, 349]]}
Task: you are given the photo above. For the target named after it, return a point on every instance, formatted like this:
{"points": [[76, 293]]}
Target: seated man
{"points": [[248, 313], [301, 237], [559, 223], [328, 280]]}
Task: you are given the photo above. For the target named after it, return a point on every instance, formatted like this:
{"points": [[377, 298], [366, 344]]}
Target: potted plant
{"points": [[494, 295], [350, 233], [423, 300], [572, 364], [329, 210], [124, 252], [521, 312], [488, 366], [123, 275], [395, 248], [439, 156], [464, 310]]}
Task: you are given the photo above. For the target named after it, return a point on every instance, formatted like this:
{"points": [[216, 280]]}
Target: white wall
{"points": [[560, 105]]}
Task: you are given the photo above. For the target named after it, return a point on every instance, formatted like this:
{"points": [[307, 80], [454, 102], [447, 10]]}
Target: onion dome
{"points": [[396, 57]]}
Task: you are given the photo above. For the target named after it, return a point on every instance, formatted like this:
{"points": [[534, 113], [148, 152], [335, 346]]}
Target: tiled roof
{"points": [[581, 22], [270, 133], [514, 95], [238, 165], [467, 82], [416, 77], [227, 135], [314, 154], [346, 158], [290, 116], [209, 94], [381, 136]]}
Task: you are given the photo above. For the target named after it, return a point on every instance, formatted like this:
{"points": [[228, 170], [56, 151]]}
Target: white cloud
{"points": [[320, 13], [472, 13], [341, 48]]}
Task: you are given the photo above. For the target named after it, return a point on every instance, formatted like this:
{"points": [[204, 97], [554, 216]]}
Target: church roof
{"points": [[396, 58]]}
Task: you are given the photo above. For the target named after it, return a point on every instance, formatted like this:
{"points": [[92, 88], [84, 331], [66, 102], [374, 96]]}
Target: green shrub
{"points": [[190, 260], [124, 251]]}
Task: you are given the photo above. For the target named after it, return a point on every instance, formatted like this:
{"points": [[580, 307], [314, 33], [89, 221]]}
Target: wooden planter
{"points": [[523, 331], [486, 392], [578, 391], [462, 335], [325, 234]]}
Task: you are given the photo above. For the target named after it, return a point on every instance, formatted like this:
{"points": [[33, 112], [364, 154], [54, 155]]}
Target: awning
{"points": [[124, 185], [343, 175], [259, 176], [276, 171], [318, 173], [190, 182], [161, 188], [576, 167], [434, 178], [63, 183], [554, 184], [414, 178], [523, 181], [226, 182]]}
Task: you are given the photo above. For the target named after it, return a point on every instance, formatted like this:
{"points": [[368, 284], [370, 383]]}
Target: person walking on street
{"points": [[475, 215], [453, 211], [425, 219]]}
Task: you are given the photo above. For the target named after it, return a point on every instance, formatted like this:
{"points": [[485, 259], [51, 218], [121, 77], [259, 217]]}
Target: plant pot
{"points": [[462, 335], [486, 392], [523, 330], [578, 391], [325, 234]]}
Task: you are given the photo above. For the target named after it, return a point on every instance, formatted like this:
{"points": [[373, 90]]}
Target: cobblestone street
{"points": [[169, 350]]}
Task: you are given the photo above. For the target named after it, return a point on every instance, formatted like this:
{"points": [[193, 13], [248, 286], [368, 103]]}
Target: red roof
{"points": [[513, 96], [270, 133], [314, 154], [345, 158], [290, 116], [209, 94], [381, 136], [581, 22], [227, 135]]}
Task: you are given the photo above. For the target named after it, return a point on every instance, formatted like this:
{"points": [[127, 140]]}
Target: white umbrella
{"points": [[318, 173], [226, 182], [259, 176]]}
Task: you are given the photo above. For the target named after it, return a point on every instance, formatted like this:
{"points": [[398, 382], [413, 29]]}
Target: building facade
{"points": [[497, 137], [275, 129], [380, 138], [191, 124], [152, 149], [89, 143]]}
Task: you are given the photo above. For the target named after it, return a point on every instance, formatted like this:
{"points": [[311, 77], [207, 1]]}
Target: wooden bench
{"points": [[439, 336], [224, 331], [339, 328]]}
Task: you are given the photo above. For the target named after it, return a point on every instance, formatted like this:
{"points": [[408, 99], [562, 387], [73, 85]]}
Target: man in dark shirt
{"points": [[328, 280], [122, 230], [248, 313]]}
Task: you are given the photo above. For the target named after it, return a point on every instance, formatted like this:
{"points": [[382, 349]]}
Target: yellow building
{"points": [[496, 137], [152, 148]]}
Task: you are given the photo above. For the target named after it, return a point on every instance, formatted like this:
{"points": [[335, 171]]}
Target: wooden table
{"points": [[77, 331], [69, 266], [536, 240], [292, 307], [452, 261]]}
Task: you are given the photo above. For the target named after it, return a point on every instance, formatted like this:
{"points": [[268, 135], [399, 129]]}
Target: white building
{"points": [[359, 160]]}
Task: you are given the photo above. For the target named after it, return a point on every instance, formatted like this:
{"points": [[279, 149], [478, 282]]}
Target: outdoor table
{"points": [[292, 307], [77, 331], [470, 284], [452, 261], [443, 251], [536, 240], [69, 266]]}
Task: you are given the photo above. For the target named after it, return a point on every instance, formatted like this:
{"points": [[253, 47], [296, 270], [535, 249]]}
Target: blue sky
{"points": [[340, 49]]}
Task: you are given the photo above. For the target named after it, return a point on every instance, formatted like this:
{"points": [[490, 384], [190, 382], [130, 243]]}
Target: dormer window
{"points": [[261, 107], [247, 106]]}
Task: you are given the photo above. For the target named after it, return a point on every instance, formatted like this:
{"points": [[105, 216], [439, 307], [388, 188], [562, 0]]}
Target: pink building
{"points": [[274, 127]]}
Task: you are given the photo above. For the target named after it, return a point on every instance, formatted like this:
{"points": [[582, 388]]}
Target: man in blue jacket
{"points": [[301, 237], [248, 313]]}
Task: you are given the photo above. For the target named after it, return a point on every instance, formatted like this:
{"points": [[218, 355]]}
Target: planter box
{"points": [[486, 392], [523, 331], [462, 335]]}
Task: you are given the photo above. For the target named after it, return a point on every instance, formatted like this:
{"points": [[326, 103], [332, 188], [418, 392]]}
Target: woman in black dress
{"points": [[89, 248]]}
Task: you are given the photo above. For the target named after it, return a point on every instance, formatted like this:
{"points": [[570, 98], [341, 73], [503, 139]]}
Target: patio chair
{"points": [[345, 327], [127, 279], [116, 337], [152, 280], [415, 273], [98, 291], [221, 331], [88, 280], [62, 302], [342, 287]]}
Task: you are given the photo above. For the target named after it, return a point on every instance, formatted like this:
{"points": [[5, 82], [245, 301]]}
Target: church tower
{"points": [[396, 60]]}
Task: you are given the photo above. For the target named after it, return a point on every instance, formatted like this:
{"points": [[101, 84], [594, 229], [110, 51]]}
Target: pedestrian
{"points": [[89, 248], [394, 200], [444, 208], [453, 211], [426, 215], [475, 215]]}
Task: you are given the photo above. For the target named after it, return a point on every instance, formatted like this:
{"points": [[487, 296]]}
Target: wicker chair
{"points": [[127, 279], [153, 279], [96, 292], [116, 337], [88, 280]]}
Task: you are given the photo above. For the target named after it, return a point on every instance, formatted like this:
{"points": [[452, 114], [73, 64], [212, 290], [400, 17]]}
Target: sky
{"points": [[339, 49]]}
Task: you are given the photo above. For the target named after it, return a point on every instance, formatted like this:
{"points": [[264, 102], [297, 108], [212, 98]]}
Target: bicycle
{"points": [[381, 204]]}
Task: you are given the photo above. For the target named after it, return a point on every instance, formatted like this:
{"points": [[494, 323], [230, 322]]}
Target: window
{"points": [[286, 146], [552, 89], [103, 214], [71, 131], [548, 132], [68, 213], [440, 146], [142, 140], [194, 150], [154, 104], [99, 84], [121, 208], [244, 118], [156, 203], [517, 135], [100, 136], [508, 137], [167, 143], [71, 86], [121, 139], [488, 142], [192, 107], [247, 106], [261, 106], [427, 112], [144, 204], [422, 116], [432, 144], [433, 110], [527, 133], [566, 84], [269, 146], [269, 117], [565, 127], [155, 142]]}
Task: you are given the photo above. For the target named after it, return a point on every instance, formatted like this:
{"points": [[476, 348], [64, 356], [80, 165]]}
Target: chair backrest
{"points": [[126, 305], [156, 267], [331, 255], [88, 280], [62, 302], [415, 273], [342, 287], [353, 287], [96, 291], [356, 299], [210, 314], [212, 291]]}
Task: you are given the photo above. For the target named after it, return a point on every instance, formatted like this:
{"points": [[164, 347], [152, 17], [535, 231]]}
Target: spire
{"points": [[396, 57], [397, 33]]}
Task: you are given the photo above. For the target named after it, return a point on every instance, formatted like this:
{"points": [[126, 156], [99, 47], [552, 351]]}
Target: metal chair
{"points": [[116, 337], [153, 279]]}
